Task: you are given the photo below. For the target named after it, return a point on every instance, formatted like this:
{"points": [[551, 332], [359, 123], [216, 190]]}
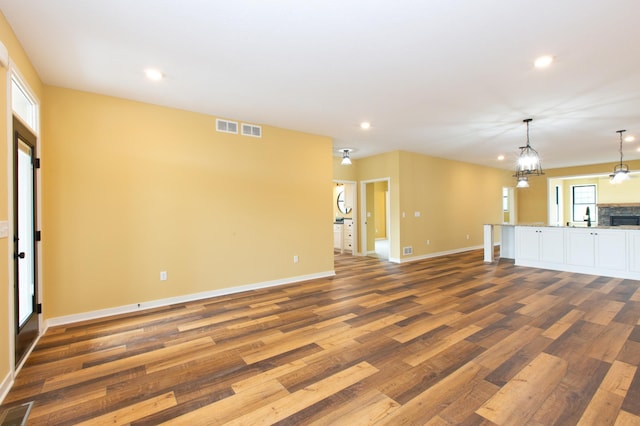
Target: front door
{"points": [[24, 240]]}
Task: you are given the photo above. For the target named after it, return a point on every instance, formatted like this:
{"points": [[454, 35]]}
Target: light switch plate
{"points": [[4, 229]]}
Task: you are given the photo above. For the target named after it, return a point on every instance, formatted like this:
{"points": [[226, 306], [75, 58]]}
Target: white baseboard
{"points": [[5, 386], [125, 309], [438, 254]]}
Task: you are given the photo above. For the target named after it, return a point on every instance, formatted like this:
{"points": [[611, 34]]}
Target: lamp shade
{"points": [[346, 160]]}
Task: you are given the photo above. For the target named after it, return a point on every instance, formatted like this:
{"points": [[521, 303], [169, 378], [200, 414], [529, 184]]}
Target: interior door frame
{"points": [[363, 213], [11, 73], [22, 134]]}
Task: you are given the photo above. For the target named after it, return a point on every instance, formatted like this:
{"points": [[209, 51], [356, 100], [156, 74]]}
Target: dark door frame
{"points": [[27, 333]]}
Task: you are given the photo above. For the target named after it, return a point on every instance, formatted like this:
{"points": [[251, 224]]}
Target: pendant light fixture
{"points": [[523, 180], [528, 162], [346, 160], [620, 171]]}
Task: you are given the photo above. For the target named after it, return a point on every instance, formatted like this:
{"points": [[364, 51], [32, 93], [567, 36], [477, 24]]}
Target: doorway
{"points": [[344, 213], [508, 205], [376, 229], [25, 261]]}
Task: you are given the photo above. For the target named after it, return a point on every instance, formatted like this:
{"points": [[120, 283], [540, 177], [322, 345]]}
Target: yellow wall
{"points": [[532, 202], [380, 209], [134, 189], [454, 199], [627, 192], [346, 172], [21, 62]]}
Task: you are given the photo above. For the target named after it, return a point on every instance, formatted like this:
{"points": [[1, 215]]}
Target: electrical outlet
{"points": [[467, 236], [295, 259], [428, 242], [163, 275]]}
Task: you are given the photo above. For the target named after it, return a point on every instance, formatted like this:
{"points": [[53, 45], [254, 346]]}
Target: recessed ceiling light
{"points": [[153, 74], [365, 125], [630, 138], [543, 61], [500, 157]]}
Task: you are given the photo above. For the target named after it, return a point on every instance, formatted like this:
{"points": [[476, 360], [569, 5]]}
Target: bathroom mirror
{"points": [[343, 209]]}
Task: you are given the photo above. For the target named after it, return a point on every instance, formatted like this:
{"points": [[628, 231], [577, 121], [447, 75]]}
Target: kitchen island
{"points": [[612, 251]]}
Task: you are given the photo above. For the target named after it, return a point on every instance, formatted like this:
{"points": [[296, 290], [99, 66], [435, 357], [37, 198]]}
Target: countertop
{"points": [[542, 225]]}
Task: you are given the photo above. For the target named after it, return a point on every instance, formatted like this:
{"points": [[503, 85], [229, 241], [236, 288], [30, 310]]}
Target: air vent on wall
{"points": [[226, 126], [251, 130], [407, 250]]}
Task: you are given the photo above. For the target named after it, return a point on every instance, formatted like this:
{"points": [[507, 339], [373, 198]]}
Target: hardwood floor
{"points": [[449, 340]]}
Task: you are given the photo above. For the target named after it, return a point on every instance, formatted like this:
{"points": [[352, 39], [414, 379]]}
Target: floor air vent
{"points": [[407, 250], [16, 416]]}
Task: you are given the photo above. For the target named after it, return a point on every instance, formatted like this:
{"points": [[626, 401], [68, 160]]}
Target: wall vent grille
{"points": [[226, 126], [251, 130], [407, 250]]}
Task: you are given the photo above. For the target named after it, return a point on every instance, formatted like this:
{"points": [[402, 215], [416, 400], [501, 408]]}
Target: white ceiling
{"points": [[452, 79]]}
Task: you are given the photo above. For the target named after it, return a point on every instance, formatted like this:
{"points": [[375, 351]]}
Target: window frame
{"points": [[32, 119], [593, 211]]}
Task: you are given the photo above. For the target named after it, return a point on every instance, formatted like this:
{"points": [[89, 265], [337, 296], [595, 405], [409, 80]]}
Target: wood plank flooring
{"points": [[449, 340]]}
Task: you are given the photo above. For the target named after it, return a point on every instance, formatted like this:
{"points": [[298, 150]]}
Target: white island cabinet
{"points": [[539, 245], [597, 248], [337, 235], [597, 251], [634, 252]]}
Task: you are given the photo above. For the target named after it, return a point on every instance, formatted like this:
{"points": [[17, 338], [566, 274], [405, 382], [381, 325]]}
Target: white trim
{"points": [[7, 383], [5, 386], [430, 255], [125, 309], [10, 345], [14, 72]]}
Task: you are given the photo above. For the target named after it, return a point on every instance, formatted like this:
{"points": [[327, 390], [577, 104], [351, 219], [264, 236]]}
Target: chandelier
{"points": [[620, 171], [528, 162]]}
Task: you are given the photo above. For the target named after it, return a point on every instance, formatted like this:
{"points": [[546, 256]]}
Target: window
{"points": [[23, 104], [583, 198]]}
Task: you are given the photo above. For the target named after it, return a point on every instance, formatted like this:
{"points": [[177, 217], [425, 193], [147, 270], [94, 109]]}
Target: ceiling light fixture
{"points": [[528, 162], [346, 160], [523, 180], [620, 171], [543, 61], [630, 138], [365, 125], [154, 74]]}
